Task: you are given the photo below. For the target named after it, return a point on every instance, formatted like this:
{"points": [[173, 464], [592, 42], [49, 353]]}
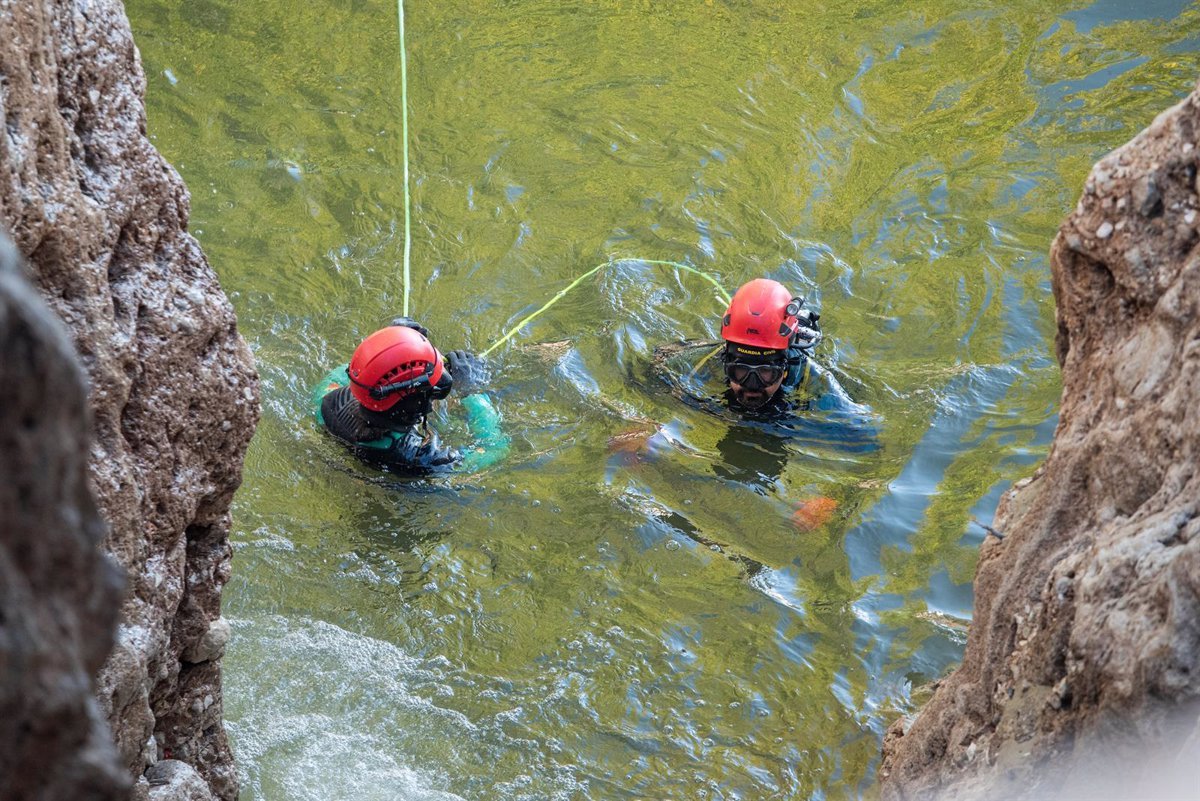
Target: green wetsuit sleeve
{"points": [[491, 443], [334, 379]]}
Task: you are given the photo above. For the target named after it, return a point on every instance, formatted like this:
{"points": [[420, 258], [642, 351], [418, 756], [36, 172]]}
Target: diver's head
{"points": [[757, 328], [395, 374]]}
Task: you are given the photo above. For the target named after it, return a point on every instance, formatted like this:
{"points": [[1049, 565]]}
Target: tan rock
{"points": [[212, 645], [1083, 660], [173, 780]]}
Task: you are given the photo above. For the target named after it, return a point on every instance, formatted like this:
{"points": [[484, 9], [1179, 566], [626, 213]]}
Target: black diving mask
{"points": [[755, 376]]}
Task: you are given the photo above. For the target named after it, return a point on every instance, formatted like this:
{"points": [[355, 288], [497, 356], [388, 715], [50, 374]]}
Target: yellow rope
{"points": [[562, 292]]}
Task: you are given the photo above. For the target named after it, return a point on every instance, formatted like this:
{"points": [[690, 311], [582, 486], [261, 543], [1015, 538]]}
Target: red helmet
{"points": [[758, 316], [392, 364]]}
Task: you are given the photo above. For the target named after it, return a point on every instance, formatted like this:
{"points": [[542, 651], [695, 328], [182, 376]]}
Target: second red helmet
{"points": [[757, 316], [393, 356]]}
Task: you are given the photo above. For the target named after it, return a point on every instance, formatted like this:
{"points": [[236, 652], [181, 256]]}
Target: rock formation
{"points": [[173, 396], [59, 595], [1083, 660]]}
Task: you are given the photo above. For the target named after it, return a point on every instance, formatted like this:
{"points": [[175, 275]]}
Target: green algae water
{"points": [[645, 600]]}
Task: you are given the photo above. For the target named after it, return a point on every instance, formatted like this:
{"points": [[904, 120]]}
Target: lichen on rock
{"points": [[1085, 645], [173, 395]]}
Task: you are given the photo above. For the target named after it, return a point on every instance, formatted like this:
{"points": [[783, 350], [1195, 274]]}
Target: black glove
{"points": [[468, 370], [408, 322]]}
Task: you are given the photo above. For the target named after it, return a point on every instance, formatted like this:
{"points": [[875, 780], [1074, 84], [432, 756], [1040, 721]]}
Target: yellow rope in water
{"points": [[716, 349], [404, 126], [562, 292]]}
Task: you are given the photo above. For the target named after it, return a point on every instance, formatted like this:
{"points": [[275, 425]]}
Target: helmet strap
{"points": [[379, 393]]}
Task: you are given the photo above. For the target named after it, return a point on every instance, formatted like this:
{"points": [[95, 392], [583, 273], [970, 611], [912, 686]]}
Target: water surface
{"points": [[626, 608]]}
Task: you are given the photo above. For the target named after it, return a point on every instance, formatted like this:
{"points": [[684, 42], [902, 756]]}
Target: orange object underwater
{"points": [[814, 513]]}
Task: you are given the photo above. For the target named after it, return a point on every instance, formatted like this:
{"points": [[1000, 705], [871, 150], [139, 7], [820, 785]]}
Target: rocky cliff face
{"points": [[1083, 664], [173, 396], [58, 593]]}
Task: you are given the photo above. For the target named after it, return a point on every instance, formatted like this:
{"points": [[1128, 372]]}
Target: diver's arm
{"points": [[335, 379], [419, 452], [491, 444]]}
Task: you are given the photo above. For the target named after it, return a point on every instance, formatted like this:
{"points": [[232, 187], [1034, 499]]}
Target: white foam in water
{"points": [[353, 766], [318, 713], [301, 731], [306, 757], [268, 540]]}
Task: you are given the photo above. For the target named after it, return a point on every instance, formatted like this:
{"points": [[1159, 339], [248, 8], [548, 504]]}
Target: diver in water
{"points": [[782, 397], [766, 347], [788, 424], [768, 336], [379, 403]]}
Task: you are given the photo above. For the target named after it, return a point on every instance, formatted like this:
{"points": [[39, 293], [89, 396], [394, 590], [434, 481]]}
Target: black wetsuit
{"points": [[810, 408], [397, 445], [399, 440]]}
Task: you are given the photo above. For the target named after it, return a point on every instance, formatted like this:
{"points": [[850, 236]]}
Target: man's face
{"points": [[754, 398], [753, 385]]}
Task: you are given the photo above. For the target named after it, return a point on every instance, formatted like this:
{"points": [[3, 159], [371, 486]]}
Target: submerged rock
{"points": [[1082, 667], [102, 220]]}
